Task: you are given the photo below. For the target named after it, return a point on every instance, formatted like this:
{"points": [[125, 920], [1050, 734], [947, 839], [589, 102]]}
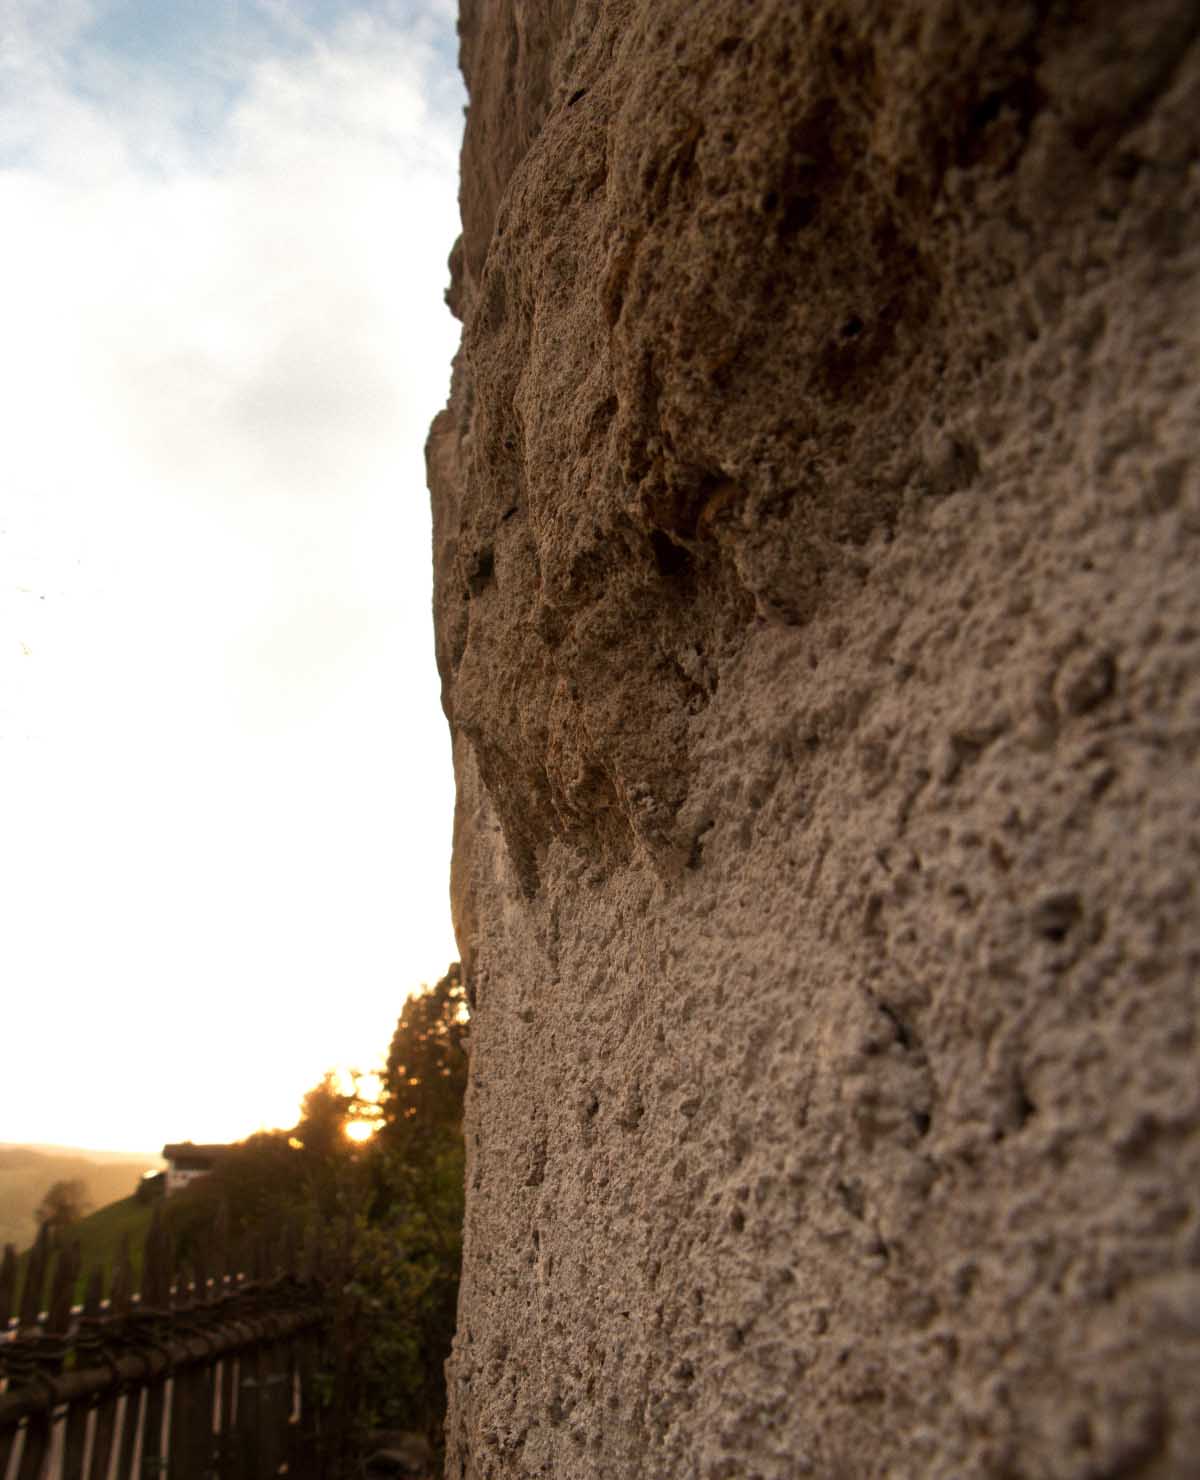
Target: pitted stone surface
{"points": [[816, 522]]}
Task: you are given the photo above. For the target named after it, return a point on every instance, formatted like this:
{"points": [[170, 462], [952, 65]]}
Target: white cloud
{"points": [[227, 775], [33, 35]]}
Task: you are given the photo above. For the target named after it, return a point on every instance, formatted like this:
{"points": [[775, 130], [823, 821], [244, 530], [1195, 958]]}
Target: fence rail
{"points": [[238, 1373]]}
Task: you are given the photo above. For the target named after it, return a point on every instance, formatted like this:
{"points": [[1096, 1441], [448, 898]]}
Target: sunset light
{"points": [[361, 1131]]}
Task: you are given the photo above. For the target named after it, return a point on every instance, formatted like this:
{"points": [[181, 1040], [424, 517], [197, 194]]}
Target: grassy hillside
{"points": [[26, 1175], [100, 1235]]}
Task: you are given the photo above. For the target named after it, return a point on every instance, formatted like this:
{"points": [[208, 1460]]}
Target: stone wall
{"points": [[816, 526]]}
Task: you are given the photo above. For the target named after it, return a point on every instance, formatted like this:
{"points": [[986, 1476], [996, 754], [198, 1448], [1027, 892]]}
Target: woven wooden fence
{"points": [[237, 1365]]}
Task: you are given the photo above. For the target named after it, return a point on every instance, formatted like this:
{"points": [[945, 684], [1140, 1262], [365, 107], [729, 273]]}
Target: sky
{"points": [[225, 785]]}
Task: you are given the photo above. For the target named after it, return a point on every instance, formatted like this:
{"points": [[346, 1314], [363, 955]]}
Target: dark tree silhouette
{"points": [[65, 1203], [426, 1073]]}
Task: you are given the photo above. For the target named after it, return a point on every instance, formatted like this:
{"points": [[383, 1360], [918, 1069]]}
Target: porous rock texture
{"points": [[816, 523]]}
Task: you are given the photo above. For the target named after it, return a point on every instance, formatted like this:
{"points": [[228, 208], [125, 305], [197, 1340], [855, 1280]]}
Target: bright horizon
{"points": [[226, 798]]}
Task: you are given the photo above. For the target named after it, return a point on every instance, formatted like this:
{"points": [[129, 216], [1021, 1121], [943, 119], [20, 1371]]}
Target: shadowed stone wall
{"points": [[816, 524]]}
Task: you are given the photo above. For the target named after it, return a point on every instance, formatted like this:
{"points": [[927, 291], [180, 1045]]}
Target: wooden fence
{"points": [[240, 1369]]}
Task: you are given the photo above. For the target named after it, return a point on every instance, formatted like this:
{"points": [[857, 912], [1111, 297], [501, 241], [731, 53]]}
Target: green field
{"points": [[99, 1236]]}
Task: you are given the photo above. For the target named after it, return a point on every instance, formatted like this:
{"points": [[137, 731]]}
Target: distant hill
{"points": [[28, 1172], [151, 1158]]}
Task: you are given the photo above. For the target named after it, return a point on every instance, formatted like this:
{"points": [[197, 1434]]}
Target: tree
{"points": [[273, 1178], [65, 1203], [323, 1115], [410, 1244], [426, 1073], [394, 1207], [408, 1253]]}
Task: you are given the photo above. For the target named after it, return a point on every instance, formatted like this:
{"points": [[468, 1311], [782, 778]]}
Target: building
{"points": [[187, 1161], [152, 1187]]}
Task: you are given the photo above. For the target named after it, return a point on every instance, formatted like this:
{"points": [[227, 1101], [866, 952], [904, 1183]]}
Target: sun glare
{"points": [[360, 1130], [370, 1087]]}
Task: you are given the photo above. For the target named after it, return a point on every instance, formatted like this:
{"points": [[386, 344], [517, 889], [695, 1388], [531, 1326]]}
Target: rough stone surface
{"points": [[816, 524]]}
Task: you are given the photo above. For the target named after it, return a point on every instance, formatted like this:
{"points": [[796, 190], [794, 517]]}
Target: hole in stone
{"points": [[852, 1198], [987, 111], [797, 214], [673, 560], [483, 569], [852, 328], [1056, 916], [899, 1026]]}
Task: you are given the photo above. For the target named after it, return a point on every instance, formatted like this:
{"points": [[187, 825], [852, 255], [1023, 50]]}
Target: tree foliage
{"points": [[271, 1179], [426, 1073], [395, 1201], [321, 1128], [65, 1203], [411, 1237]]}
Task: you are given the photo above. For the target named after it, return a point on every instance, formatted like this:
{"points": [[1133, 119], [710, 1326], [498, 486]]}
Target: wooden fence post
{"points": [[8, 1305], [55, 1348], [224, 1288], [305, 1437], [94, 1351], [151, 1318], [22, 1355], [191, 1409], [198, 1379], [8, 1287], [121, 1305], [254, 1378]]}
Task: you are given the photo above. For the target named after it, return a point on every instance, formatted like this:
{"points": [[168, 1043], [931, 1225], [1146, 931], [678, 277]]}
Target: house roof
{"points": [[177, 1149]]}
